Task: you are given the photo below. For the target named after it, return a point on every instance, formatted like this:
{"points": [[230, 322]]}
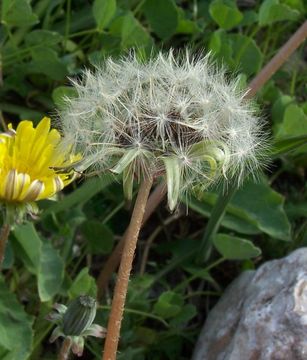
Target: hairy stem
{"points": [[65, 349], [110, 266], [4, 234], [121, 287], [278, 60]]}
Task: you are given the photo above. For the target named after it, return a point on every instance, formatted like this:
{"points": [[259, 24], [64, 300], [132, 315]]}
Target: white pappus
{"points": [[178, 116]]}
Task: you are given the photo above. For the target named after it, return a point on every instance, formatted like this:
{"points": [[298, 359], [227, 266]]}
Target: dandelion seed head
{"points": [[177, 115]]}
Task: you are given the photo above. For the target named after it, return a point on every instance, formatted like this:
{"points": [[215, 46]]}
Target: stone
{"points": [[261, 316]]}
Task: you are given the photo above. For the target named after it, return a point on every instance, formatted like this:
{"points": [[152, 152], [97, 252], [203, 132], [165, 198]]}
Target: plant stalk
{"points": [[112, 262], [65, 349], [121, 287], [278, 60], [4, 234]]}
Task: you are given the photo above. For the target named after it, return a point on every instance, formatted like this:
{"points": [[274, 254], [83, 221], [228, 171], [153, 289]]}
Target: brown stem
{"points": [[65, 349], [4, 234], [265, 74], [121, 286], [278, 60], [110, 266]]}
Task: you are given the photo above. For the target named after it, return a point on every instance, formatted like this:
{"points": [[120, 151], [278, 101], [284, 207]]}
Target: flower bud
{"points": [[79, 316]]}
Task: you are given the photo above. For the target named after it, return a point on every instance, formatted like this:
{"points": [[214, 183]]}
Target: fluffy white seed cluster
{"points": [[174, 116]]}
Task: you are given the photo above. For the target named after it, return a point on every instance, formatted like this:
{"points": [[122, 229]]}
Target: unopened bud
{"points": [[79, 315]]}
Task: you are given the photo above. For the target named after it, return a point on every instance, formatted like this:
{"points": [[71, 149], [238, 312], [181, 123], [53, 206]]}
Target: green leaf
{"points": [[103, 11], [284, 146], [221, 46], [235, 248], [99, 237], [60, 93], [229, 221], [162, 16], [272, 11], [47, 62], [225, 13], [43, 38], [50, 273], [15, 327], [41, 259], [238, 51], [83, 284], [278, 109], [187, 313], [247, 55], [131, 32], [252, 203], [29, 246], [17, 13], [168, 305], [294, 122]]}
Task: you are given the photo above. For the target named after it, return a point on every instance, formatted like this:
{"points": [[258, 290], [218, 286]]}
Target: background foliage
{"points": [[58, 255]]}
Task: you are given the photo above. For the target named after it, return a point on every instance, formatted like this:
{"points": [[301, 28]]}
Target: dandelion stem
{"points": [[278, 60], [121, 287], [110, 266], [4, 234], [65, 349]]}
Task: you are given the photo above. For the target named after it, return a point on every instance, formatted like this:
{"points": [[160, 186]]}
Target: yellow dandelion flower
{"points": [[34, 163]]}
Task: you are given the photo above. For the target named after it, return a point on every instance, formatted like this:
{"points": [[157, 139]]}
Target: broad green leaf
{"points": [[131, 32], [43, 38], [225, 13], [187, 313], [162, 16], [246, 54], [238, 51], [272, 11], [29, 246], [47, 62], [15, 327], [221, 46], [84, 283], [17, 13], [9, 256], [60, 93], [229, 221], [278, 109], [168, 305], [103, 11], [294, 122], [100, 239], [235, 248], [50, 273], [252, 203], [249, 17], [186, 26], [41, 259]]}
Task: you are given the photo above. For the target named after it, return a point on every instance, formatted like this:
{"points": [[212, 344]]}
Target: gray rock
{"points": [[261, 316]]}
